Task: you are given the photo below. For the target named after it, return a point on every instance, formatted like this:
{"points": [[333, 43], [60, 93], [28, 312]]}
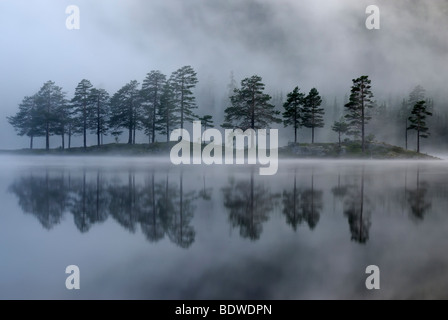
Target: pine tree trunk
{"points": [[98, 122], [182, 106], [84, 131], [63, 141], [418, 140], [130, 135], [31, 142], [339, 139], [362, 126], [295, 134], [130, 125], [47, 137], [154, 115]]}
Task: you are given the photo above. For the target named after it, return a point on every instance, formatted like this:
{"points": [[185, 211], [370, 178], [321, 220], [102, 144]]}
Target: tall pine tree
{"points": [[418, 121], [82, 108], [167, 118], [99, 116], [360, 100], [183, 82], [152, 90], [312, 113], [24, 121], [293, 110], [125, 109], [250, 106], [49, 101]]}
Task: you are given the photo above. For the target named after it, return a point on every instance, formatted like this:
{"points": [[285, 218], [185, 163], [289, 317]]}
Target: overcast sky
{"points": [[310, 43]]}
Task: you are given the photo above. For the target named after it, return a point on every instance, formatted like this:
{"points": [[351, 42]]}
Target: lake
{"points": [[139, 228]]}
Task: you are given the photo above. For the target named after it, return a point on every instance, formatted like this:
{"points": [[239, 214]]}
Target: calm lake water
{"points": [[141, 229]]}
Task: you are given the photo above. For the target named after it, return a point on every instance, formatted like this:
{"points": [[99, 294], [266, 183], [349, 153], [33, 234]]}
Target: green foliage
{"points": [[250, 106], [312, 113], [293, 110], [182, 83], [82, 108], [418, 121], [99, 115], [206, 121], [125, 109], [167, 117], [360, 100], [152, 91], [25, 120]]}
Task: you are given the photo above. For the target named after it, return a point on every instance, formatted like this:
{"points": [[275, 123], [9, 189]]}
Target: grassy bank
{"points": [[348, 150]]}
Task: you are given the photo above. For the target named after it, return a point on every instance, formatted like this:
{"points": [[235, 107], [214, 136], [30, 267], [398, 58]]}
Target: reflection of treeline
{"points": [[159, 207]]}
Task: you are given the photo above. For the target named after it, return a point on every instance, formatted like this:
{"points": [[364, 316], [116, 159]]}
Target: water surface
{"points": [[141, 229]]}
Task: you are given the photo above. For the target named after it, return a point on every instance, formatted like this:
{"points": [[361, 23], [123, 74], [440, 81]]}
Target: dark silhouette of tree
{"points": [[99, 117], [206, 121], [150, 219], [249, 206], [417, 199], [180, 231], [88, 202], [418, 121], [24, 121], [291, 206], [152, 91], [250, 107], [355, 211], [205, 193], [50, 100], [44, 196], [82, 108], [125, 109], [403, 116], [312, 113], [293, 110], [123, 206], [360, 100], [311, 205], [183, 82], [341, 128], [167, 118]]}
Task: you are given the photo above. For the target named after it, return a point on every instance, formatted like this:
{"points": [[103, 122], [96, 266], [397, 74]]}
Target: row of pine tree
{"points": [[162, 104]]}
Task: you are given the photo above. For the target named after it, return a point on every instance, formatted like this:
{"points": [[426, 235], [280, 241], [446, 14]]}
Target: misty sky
{"points": [[310, 43]]}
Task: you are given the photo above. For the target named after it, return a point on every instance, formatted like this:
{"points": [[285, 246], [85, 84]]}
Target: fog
{"points": [[322, 44]]}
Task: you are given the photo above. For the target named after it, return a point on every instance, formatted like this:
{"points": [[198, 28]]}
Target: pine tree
{"points": [[167, 118], [206, 121], [99, 116], [183, 82], [49, 101], [417, 120], [152, 90], [250, 106], [293, 110], [125, 109], [24, 121], [82, 108], [312, 113], [360, 100], [340, 127]]}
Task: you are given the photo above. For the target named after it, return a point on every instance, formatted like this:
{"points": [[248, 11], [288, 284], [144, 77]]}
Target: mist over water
{"points": [[139, 228]]}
